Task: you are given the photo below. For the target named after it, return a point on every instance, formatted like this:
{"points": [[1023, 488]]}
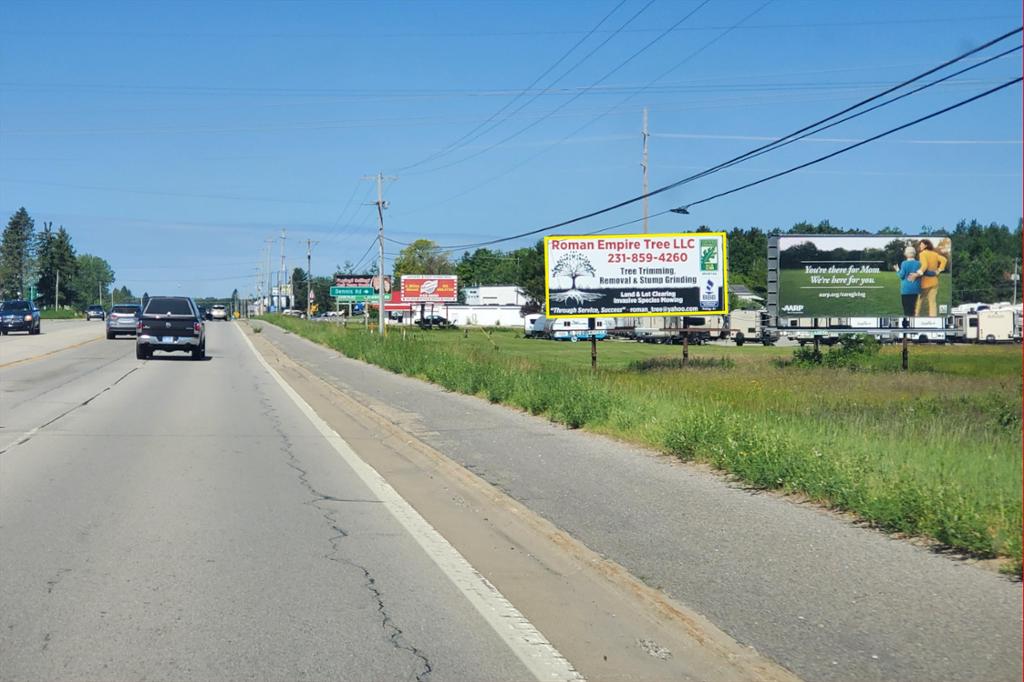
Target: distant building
{"points": [[495, 295]]}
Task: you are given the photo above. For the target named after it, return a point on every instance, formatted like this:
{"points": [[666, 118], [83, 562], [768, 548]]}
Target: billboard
{"points": [[636, 275], [864, 276], [430, 288]]}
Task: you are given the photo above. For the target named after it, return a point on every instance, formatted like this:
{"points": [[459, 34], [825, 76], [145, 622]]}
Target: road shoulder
{"points": [[608, 623]]}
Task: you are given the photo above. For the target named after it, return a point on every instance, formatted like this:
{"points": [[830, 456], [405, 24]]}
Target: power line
{"points": [[523, 92], [606, 112], [578, 94], [673, 185], [932, 115]]}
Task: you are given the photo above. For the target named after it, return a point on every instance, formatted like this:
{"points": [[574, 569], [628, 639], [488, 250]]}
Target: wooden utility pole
{"points": [[309, 276], [381, 205], [282, 278], [643, 164]]}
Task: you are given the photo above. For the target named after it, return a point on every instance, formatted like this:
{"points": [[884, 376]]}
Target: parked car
{"points": [[218, 312], [170, 323], [95, 312], [432, 321], [122, 319], [19, 316]]}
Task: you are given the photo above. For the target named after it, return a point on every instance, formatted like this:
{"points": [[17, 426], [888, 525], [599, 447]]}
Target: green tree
{"points": [[125, 295], [57, 265], [92, 280], [300, 288], [530, 270], [16, 254], [422, 257]]}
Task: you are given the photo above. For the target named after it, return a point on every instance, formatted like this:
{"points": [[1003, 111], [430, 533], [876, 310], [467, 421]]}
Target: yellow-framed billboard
{"points": [[636, 275]]}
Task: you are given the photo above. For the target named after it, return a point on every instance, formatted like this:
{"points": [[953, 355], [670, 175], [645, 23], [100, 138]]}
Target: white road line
{"points": [[533, 649]]}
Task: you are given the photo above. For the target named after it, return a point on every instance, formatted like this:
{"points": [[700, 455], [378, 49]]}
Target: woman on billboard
{"points": [[910, 285], [932, 263]]}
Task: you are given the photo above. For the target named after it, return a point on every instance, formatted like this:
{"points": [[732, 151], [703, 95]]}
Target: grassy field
{"points": [[876, 303], [935, 452]]}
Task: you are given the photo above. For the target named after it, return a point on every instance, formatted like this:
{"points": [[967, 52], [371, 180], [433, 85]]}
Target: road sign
{"points": [[352, 291]]}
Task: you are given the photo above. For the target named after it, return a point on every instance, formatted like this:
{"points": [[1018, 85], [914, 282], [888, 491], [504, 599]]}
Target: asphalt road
{"points": [[817, 594], [171, 519]]}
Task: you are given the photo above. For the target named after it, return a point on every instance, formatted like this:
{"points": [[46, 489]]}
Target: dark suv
{"points": [[19, 316], [95, 312], [433, 321], [170, 323]]}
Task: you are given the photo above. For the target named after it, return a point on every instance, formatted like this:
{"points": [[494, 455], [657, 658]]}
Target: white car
{"points": [[218, 312]]}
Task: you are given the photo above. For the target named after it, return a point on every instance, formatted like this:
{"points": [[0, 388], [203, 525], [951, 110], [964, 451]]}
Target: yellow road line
{"points": [[46, 355]]}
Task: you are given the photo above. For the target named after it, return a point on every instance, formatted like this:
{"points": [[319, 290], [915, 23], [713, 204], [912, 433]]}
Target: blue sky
{"points": [[174, 138]]}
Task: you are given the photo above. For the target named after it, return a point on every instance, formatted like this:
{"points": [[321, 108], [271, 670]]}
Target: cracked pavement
{"points": [[171, 520]]}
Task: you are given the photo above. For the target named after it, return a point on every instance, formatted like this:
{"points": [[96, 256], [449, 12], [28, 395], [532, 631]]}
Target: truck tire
{"points": [[110, 336], [199, 353], [140, 354], [740, 339]]}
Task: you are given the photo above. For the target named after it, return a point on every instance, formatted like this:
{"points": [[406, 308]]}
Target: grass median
{"points": [[935, 452]]}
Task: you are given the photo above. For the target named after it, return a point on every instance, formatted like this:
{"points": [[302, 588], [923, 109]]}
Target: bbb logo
{"points": [[793, 308]]}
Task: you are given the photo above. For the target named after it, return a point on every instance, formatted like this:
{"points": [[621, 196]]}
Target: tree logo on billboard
{"points": [[573, 264], [708, 255]]}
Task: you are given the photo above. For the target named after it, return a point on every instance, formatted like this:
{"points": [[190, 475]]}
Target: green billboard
{"points": [[864, 276]]}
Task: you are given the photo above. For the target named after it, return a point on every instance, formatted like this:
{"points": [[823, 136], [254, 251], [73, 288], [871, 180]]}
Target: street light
{"points": [[681, 210]]}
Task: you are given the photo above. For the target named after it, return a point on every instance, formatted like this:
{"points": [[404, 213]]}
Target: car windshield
{"points": [[13, 306], [168, 306], [95, 307], [125, 309]]}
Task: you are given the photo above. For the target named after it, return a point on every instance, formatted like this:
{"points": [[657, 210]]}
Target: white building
{"points": [[483, 315], [495, 295]]}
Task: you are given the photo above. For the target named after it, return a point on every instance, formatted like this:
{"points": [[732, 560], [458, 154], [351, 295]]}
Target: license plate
{"points": [[167, 339]]}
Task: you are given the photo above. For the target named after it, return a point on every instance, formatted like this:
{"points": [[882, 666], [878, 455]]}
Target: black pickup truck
{"points": [[170, 323]]}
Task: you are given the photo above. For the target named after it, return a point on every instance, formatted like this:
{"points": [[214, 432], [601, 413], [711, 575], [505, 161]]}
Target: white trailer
{"points": [[533, 325], [988, 325], [574, 328]]}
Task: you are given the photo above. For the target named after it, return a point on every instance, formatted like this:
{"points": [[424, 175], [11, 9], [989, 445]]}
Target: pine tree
{"points": [[16, 255]]}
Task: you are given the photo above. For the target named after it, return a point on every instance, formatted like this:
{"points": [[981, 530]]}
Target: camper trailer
{"points": [[573, 329], [533, 325], [983, 324]]}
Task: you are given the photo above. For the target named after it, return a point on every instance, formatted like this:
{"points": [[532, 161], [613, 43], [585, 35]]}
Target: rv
{"points": [[573, 328], [533, 325], [987, 325]]}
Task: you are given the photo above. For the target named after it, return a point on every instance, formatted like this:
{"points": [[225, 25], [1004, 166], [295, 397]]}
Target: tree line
{"points": [[43, 266], [984, 256]]}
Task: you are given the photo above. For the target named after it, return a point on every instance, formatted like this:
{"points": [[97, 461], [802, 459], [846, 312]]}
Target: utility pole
{"points": [[56, 292], [309, 276], [282, 278], [381, 205], [643, 164], [270, 246], [1016, 278]]}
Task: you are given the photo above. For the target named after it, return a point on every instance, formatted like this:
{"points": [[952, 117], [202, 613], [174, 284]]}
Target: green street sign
{"points": [[351, 291]]}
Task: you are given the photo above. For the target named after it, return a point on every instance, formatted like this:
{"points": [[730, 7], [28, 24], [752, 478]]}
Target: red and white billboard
{"points": [[430, 288]]}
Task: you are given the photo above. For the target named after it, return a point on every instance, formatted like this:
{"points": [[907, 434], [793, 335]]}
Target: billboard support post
{"points": [[592, 326], [686, 341], [905, 361]]}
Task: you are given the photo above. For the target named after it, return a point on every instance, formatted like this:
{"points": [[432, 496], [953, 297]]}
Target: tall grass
{"points": [[931, 453]]}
